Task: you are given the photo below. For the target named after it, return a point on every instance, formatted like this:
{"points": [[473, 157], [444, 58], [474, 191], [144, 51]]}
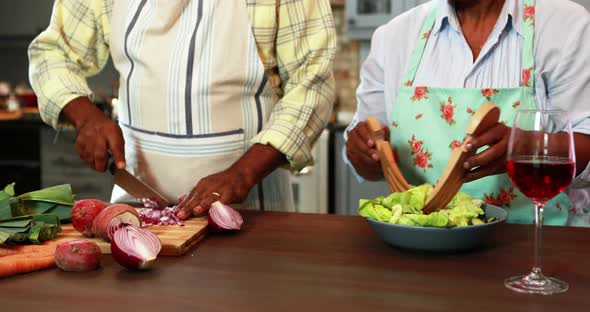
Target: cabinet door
{"points": [[24, 18], [60, 164], [43, 11], [348, 191]]}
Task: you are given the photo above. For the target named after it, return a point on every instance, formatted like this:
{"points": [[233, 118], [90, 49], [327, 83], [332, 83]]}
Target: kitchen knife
{"points": [[135, 187]]}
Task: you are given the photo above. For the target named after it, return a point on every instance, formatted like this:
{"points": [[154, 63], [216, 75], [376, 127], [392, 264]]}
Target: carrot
{"points": [[23, 249], [24, 263]]}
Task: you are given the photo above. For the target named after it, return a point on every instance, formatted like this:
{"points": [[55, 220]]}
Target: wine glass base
{"points": [[536, 285]]}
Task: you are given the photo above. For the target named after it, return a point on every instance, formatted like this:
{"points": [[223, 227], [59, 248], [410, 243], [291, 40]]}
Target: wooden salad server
{"points": [[451, 180], [393, 176]]}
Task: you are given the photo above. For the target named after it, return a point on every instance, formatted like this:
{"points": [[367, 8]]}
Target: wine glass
{"points": [[541, 164]]}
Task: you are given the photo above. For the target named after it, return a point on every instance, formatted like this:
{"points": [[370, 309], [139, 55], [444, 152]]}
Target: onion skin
{"points": [[78, 256], [126, 257], [223, 218], [83, 214], [111, 216]]}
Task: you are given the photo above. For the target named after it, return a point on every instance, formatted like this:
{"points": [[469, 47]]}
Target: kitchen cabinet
{"points": [[61, 164], [19, 156], [24, 18], [364, 16], [310, 185], [585, 3], [347, 190]]}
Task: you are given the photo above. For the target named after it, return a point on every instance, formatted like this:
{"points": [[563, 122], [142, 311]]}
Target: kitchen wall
{"points": [[346, 64], [14, 66]]}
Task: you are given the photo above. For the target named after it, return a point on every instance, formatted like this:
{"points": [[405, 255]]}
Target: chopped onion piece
{"points": [[154, 215]]}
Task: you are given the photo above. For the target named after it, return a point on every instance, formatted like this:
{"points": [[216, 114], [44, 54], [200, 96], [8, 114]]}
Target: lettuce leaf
{"points": [[375, 211], [434, 219]]}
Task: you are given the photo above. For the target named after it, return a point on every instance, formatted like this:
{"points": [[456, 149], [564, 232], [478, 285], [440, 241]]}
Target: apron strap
{"points": [[528, 53], [528, 47], [416, 57]]}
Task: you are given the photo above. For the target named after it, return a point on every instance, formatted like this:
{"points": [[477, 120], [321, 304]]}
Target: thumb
{"points": [[386, 133], [117, 148]]}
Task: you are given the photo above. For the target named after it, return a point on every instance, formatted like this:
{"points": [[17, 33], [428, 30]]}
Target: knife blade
{"points": [[134, 186]]}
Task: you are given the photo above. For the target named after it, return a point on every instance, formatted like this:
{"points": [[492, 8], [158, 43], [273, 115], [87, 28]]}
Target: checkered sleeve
{"points": [[73, 47], [303, 46]]}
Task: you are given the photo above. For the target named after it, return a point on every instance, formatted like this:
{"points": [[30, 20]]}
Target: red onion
{"points": [[224, 218], [135, 248], [153, 214]]}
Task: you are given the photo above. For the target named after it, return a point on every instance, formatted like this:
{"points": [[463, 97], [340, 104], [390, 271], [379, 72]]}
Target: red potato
{"points": [[112, 217], [83, 214], [77, 256]]}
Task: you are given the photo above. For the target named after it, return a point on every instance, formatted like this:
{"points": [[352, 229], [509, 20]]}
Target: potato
{"points": [[77, 256]]}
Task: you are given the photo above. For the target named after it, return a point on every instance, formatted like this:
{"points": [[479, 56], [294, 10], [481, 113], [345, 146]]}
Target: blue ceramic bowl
{"points": [[439, 239]]}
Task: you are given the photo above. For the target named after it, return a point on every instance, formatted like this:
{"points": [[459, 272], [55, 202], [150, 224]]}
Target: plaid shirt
{"points": [[296, 41]]}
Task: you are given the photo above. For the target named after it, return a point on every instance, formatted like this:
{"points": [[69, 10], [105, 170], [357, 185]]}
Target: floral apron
{"points": [[428, 123]]}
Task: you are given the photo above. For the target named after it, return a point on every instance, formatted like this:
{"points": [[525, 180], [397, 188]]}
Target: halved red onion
{"points": [[224, 218], [120, 221], [135, 248]]}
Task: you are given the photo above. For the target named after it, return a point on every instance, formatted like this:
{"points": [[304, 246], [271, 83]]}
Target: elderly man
{"points": [[215, 95]]}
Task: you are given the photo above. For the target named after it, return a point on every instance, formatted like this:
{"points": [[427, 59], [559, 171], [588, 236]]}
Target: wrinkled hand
{"points": [[362, 153], [228, 187], [492, 161], [97, 135]]}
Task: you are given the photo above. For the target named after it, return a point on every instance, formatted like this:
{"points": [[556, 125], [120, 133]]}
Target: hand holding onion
{"points": [[229, 187], [232, 186]]}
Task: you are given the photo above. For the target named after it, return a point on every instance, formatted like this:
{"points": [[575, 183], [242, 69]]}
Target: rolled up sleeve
{"points": [[73, 47], [305, 50]]}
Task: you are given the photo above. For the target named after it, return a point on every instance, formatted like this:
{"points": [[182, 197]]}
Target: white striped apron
{"points": [[193, 94]]}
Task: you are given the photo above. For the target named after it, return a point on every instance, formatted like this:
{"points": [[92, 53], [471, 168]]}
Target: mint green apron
{"points": [[427, 123]]}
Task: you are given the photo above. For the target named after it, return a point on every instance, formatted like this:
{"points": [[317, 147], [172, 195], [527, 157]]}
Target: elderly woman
{"points": [[432, 67]]}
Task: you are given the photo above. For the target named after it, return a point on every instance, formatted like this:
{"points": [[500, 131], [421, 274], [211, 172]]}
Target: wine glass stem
{"points": [[539, 206]]}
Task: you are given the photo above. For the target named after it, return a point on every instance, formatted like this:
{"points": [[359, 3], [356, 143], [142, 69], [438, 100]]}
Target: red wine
{"points": [[541, 178]]}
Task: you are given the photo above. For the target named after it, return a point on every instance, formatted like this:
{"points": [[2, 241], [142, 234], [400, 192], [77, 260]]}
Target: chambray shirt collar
{"points": [[510, 17]]}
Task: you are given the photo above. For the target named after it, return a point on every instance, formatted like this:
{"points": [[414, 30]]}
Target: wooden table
{"points": [[297, 262]]}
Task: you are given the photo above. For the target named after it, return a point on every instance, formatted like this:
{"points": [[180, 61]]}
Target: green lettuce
{"points": [[405, 208]]}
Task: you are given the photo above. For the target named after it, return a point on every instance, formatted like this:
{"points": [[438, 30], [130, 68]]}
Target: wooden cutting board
{"points": [[176, 240]]}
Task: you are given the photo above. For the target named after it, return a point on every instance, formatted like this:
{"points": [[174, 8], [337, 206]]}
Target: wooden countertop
{"points": [[298, 262]]}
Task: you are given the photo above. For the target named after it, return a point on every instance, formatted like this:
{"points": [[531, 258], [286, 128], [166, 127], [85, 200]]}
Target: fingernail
{"points": [[198, 210], [121, 165], [370, 143], [375, 157], [182, 215], [468, 146], [466, 165]]}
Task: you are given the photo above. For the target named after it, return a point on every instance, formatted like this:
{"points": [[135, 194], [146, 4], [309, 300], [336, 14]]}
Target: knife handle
{"points": [[111, 166]]}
